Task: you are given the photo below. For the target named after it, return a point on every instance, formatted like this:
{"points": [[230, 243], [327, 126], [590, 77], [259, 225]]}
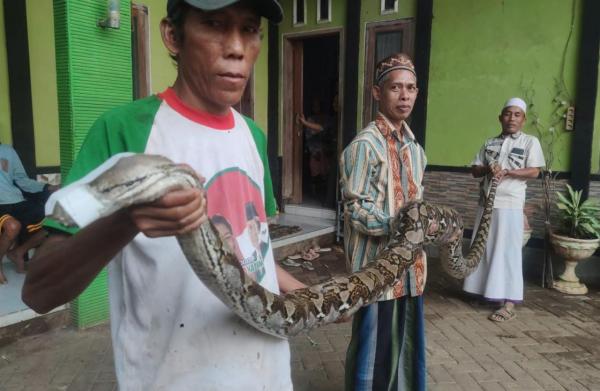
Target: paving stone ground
{"points": [[553, 344]]}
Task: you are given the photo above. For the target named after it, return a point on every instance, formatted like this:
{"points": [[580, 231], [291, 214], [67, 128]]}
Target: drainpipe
{"points": [[350, 102], [422, 56], [587, 88]]}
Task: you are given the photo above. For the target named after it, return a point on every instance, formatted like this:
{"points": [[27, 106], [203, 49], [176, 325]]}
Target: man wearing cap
{"points": [[513, 157], [169, 331], [381, 170]]}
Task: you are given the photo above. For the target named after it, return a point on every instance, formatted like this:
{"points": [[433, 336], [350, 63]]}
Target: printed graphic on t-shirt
{"points": [[236, 208], [516, 158], [4, 164], [493, 153]]}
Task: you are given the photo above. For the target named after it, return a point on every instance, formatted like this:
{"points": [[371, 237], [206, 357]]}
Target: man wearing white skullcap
{"points": [[516, 102], [513, 157]]}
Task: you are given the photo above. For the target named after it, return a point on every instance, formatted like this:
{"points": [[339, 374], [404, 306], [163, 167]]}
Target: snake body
{"points": [[140, 179]]}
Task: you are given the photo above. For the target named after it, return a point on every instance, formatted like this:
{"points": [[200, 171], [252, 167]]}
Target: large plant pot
{"points": [[573, 251]]}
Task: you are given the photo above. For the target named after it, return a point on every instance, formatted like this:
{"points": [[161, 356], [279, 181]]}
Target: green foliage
{"points": [[579, 220], [551, 128]]}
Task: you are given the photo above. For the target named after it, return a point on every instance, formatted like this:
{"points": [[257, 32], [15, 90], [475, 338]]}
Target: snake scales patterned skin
{"points": [[139, 179]]}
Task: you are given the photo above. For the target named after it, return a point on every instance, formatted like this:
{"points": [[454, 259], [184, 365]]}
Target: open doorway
{"points": [[311, 120]]}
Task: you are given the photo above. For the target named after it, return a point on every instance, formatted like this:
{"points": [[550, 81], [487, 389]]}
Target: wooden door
{"points": [[399, 36], [140, 40], [292, 106], [246, 105]]}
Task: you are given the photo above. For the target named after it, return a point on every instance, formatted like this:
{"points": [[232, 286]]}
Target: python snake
{"points": [[139, 179]]}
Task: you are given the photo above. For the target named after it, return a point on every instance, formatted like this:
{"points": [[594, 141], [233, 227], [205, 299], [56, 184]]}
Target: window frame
{"points": [[390, 11], [295, 21], [319, 19]]}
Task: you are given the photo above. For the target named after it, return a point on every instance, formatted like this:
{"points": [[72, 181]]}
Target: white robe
{"points": [[499, 275]]}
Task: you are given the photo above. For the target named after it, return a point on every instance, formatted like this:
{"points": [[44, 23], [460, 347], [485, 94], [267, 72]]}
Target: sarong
{"points": [[499, 275], [387, 350]]}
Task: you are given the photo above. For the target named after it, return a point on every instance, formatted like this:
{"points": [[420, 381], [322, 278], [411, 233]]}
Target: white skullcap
{"points": [[517, 102]]}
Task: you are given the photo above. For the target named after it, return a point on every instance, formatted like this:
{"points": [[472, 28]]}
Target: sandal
{"points": [[310, 255], [290, 262], [324, 249], [308, 265], [502, 315]]}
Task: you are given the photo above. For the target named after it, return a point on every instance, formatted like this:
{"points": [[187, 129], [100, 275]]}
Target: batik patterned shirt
{"points": [[381, 169]]}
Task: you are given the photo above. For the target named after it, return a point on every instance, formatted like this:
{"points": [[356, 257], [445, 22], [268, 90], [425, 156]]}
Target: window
{"points": [[323, 11], [389, 6], [299, 12]]}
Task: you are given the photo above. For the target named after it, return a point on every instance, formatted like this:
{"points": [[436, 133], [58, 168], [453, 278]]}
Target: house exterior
{"points": [[59, 71]]}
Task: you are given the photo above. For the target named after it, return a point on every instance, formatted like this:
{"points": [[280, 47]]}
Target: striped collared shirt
{"points": [[366, 182]]}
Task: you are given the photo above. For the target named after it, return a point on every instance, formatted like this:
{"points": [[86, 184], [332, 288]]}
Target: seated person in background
{"points": [[29, 213], [9, 230]]}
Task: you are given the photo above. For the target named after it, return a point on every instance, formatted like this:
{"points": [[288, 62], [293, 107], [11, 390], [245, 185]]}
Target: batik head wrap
{"points": [[392, 63]]}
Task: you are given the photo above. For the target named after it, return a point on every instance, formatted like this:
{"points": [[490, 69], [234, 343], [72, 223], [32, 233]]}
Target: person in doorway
{"points": [[169, 331], [29, 213], [381, 170], [317, 133], [512, 157], [9, 230]]}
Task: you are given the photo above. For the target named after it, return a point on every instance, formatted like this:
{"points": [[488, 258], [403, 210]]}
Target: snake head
{"points": [[142, 178]]}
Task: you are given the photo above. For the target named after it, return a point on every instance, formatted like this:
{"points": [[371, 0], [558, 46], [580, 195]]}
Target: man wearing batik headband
{"points": [[381, 170], [513, 157]]}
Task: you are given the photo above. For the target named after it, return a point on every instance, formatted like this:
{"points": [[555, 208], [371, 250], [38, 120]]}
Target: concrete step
{"points": [[34, 325], [314, 231]]}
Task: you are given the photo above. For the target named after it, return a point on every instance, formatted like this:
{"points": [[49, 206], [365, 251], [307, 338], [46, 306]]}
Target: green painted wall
{"points": [[42, 64], [371, 12], [261, 81], [338, 17], [40, 30], [482, 52], [90, 82], [162, 68], [5, 133]]}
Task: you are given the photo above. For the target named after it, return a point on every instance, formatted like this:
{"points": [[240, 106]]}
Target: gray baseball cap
{"points": [[270, 9]]}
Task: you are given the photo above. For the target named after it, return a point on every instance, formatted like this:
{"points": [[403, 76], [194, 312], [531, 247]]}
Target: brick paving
{"points": [[553, 344]]}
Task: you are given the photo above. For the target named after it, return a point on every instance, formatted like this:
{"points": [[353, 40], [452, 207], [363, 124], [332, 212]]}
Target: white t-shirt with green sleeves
{"points": [[169, 331]]}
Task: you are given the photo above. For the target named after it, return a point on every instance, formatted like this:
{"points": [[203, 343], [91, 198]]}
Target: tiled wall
{"points": [[461, 191]]}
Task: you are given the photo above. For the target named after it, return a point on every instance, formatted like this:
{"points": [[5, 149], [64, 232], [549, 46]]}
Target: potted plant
{"points": [[577, 238]]}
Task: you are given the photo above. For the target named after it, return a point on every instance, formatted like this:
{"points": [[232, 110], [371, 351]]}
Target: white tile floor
{"points": [[10, 293], [12, 308]]}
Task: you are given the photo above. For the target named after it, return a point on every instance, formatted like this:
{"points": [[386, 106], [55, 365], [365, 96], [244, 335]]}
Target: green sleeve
{"points": [[124, 129], [261, 145]]}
